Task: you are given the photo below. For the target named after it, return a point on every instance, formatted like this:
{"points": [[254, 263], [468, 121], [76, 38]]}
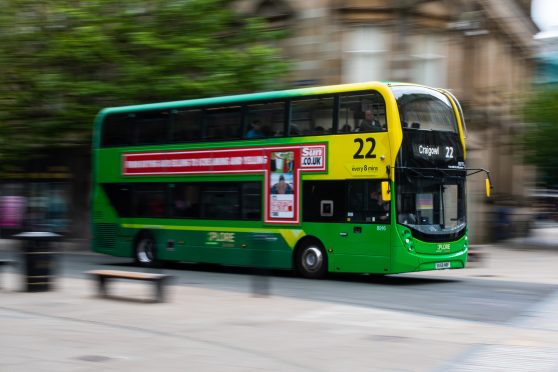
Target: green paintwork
{"points": [[377, 248]]}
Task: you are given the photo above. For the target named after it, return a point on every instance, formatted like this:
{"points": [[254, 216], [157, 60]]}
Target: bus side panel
{"points": [[343, 263], [219, 245], [358, 248]]}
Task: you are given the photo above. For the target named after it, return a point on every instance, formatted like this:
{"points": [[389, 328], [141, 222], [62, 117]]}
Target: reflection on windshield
{"points": [[431, 205], [424, 109]]}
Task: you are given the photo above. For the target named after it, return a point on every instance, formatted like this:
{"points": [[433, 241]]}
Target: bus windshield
{"points": [[432, 206], [423, 108]]}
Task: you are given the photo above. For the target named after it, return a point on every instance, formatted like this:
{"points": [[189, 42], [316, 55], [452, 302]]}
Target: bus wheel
{"points": [[146, 250], [311, 260]]}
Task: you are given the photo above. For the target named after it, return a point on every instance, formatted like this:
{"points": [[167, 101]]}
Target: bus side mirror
{"points": [[487, 186], [386, 191]]}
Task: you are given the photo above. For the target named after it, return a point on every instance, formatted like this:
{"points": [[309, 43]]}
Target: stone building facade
{"points": [[482, 50]]}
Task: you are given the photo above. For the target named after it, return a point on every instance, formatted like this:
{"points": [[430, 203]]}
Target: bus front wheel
{"points": [[311, 260], [145, 251]]}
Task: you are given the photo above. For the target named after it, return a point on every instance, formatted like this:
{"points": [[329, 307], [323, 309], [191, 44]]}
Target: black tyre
{"points": [[145, 250], [311, 260]]}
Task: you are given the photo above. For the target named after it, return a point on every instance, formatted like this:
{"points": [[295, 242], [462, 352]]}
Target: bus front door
{"points": [[356, 247]]}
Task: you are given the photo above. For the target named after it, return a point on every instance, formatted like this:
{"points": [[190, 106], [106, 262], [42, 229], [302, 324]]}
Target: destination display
{"points": [[430, 149]]}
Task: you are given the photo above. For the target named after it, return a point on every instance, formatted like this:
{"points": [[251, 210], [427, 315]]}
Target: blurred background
{"points": [[62, 62]]}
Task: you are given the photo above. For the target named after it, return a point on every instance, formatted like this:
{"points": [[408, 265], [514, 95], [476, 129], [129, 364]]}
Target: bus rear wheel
{"points": [[311, 260], [145, 251]]}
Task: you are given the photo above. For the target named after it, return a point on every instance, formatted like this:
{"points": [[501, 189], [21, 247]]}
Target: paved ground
{"points": [[214, 330]]}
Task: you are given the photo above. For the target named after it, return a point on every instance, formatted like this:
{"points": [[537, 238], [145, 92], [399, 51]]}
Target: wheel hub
{"points": [[145, 251], [312, 259]]}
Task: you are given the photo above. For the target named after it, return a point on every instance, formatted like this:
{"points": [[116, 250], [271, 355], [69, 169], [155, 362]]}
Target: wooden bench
{"points": [[103, 276]]}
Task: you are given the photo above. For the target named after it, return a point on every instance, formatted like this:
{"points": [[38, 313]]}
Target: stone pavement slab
{"points": [[210, 330], [213, 330]]}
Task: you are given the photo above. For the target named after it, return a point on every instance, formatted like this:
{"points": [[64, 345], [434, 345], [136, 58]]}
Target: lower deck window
{"points": [[195, 200], [352, 201]]}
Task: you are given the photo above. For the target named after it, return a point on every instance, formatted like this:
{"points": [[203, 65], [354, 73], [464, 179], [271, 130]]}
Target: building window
{"points": [[428, 59], [365, 54]]}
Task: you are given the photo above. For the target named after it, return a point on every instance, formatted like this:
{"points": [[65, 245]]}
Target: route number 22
{"points": [[449, 152], [369, 154]]}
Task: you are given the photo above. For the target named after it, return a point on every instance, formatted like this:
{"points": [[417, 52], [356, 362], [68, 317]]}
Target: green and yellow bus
{"points": [[361, 178]]}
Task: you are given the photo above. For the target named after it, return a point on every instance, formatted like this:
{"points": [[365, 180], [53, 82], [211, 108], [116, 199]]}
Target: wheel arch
{"points": [[141, 234], [304, 241]]}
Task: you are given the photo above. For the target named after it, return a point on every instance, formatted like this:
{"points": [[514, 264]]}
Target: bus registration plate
{"points": [[442, 265]]}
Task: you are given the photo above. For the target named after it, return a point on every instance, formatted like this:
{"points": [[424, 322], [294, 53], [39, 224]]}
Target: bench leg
{"points": [[159, 291], [102, 282]]}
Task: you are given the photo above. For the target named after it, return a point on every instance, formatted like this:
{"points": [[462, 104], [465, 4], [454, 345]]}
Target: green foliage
{"points": [[63, 61], [541, 138]]}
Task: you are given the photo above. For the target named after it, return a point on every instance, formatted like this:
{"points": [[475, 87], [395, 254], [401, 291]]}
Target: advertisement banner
{"points": [[284, 188], [281, 166], [194, 162]]}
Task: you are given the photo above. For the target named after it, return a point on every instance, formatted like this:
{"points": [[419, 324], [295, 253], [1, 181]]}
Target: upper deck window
{"points": [[223, 123], [311, 116], [363, 112], [151, 127], [187, 125], [424, 109], [265, 120], [118, 130]]}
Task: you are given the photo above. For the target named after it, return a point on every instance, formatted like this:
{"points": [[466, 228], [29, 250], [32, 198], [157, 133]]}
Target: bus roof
{"points": [[239, 98]]}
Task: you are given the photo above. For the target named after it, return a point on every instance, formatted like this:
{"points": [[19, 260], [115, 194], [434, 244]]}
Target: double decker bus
{"points": [[361, 178]]}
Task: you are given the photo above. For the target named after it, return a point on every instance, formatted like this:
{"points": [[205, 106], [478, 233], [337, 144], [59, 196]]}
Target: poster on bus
{"points": [[283, 187]]}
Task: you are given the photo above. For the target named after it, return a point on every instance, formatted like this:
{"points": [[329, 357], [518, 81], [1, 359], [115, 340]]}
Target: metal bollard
{"points": [[38, 259]]}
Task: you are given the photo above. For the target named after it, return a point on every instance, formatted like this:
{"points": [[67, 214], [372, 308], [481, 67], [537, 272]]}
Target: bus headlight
{"points": [[408, 240]]}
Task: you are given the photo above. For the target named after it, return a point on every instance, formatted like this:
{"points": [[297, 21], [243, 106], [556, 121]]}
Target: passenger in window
{"points": [[294, 130], [369, 123], [256, 130], [282, 187], [377, 206], [267, 131], [319, 130], [346, 128]]}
